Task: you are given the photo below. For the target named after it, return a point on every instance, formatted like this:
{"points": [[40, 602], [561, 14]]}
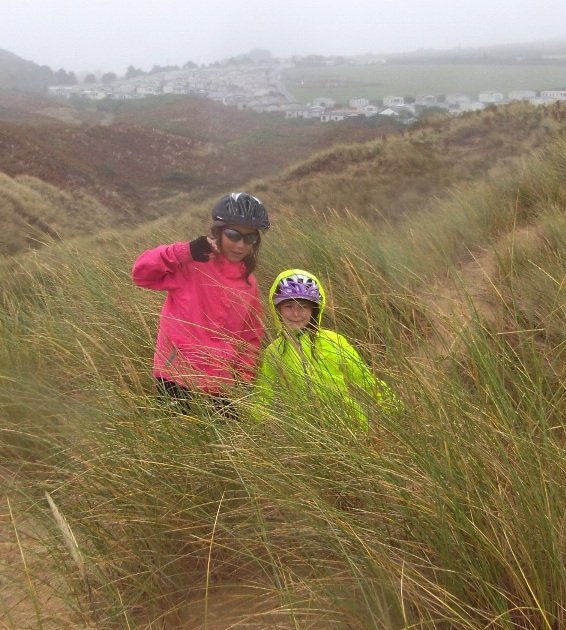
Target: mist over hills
{"points": [[540, 52], [27, 75]]}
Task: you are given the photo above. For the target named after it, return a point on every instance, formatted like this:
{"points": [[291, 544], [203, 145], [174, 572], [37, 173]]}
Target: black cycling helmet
{"points": [[241, 209]]}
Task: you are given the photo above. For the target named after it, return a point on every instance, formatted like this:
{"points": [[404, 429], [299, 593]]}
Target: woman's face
{"points": [[237, 241], [296, 314]]}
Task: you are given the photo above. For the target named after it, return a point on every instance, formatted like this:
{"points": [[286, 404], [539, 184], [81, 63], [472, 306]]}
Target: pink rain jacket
{"points": [[210, 328]]}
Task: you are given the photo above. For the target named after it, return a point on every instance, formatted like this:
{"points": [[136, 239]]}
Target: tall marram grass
{"points": [[448, 514], [34, 212]]}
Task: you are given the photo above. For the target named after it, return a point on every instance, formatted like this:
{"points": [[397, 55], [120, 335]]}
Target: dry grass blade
{"points": [[70, 543]]}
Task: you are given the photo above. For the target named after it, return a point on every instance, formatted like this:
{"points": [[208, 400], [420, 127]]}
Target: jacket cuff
{"points": [[182, 253]]}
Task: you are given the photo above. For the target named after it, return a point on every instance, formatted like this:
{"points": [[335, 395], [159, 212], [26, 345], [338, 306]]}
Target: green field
{"points": [[410, 80]]}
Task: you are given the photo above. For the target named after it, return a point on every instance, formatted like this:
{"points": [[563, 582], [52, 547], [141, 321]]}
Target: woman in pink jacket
{"points": [[210, 328]]}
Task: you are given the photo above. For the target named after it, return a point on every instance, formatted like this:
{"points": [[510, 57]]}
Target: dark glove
{"points": [[200, 249]]}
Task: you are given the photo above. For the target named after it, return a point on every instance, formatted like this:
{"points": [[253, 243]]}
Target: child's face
{"points": [[233, 242], [296, 314]]}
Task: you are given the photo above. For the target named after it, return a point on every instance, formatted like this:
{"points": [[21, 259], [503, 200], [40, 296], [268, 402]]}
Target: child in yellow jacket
{"points": [[307, 361]]}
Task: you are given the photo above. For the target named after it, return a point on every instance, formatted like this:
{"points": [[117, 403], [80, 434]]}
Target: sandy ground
{"points": [[32, 597], [27, 597]]}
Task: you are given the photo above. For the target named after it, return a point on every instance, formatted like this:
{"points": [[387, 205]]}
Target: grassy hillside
{"points": [[159, 157], [146, 153], [35, 110], [33, 213], [449, 514], [402, 174]]}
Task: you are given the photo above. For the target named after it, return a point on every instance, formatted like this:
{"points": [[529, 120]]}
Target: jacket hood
{"points": [[286, 274]]}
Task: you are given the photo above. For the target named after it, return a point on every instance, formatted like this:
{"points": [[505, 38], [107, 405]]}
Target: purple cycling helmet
{"points": [[297, 287]]}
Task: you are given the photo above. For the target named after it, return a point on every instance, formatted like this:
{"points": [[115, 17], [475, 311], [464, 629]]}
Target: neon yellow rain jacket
{"points": [[306, 366]]}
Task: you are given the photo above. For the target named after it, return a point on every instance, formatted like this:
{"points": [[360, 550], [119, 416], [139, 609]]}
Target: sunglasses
{"points": [[235, 236]]}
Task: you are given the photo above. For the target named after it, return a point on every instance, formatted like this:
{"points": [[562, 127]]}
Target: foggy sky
{"points": [[110, 35]]}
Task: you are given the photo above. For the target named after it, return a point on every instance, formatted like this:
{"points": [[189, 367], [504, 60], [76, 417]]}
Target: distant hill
{"points": [[137, 171], [23, 76], [32, 109], [156, 148]]}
